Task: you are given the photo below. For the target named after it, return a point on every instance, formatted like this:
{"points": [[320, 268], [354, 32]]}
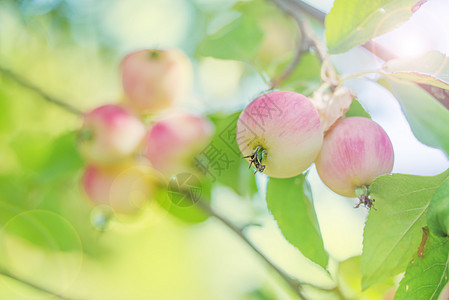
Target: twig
{"points": [[296, 7], [309, 40], [295, 285], [308, 37], [23, 82], [379, 51], [278, 80], [33, 285]]}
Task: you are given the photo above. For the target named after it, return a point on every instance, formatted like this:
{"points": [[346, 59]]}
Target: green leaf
{"points": [[45, 229], [7, 212], [6, 113], [431, 68], [290, 202], [239, 40], [427, 275], [357, 110], [63, 159], [31, 149], [393, 232], [438, 212], [228, 168], [305, 77], [352, 23], [184, 208], [350, 281], [427, 117]]}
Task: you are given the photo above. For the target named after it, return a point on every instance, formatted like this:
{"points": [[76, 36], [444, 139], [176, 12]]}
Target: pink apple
{"points": [[281, 134], [110, 134], [173, 141], [355, 151], [156, 79], [126, 188]]}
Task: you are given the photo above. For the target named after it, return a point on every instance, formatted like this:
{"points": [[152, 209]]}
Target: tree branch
{"points": [[30, 284], [439, 94], [23, 82], [308, 37], [294, 284], [275, 82], [310, 10], [309, 40]]}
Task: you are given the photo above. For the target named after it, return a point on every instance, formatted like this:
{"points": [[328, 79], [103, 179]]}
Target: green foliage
{"points": [[350, 281], [305, 77], [393, 232], [239, 40], [64, 158], [356, 110], [191, 213], [40, 201], [431, 68], [427, 117], [438, 212], [229, 168], [352, 23], [427, 275], [260, 294], [290, 202], [6, 119], [45, 229], [31, 149]]}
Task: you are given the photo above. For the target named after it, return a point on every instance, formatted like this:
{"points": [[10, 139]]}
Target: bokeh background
{"points": [[72, 50]]}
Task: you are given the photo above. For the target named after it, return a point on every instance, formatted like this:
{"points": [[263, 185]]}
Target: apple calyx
{"points": [[256, 158], [363, 192]]}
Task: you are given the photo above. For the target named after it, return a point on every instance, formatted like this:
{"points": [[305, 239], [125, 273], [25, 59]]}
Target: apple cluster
{"points": [[132, 148], [282, 135]]}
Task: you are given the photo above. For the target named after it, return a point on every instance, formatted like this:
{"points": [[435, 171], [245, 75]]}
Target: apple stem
{"points": [[154, 54], [85, 134]]}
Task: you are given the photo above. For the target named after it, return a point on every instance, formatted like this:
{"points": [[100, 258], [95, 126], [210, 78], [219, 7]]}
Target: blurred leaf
{"points": [[239, 40], [13, 190], [438, 212], [186, 211], [290, 202], [427, 275], [6, 116], [260, 294], [356, 110], [431, 68], [305, 77], [352, 23], [350, 281], [8, 211], [45, 229], [63, 159], [442, 95], [393, 232], [30, 7], [31, 149], [229, 168], [427, 117]]}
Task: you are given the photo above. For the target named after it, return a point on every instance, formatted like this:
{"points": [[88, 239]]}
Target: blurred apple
{"points": [[444, 295], [154, 80], [110, 134], [173, 142], [125, 189], [389, 295]]}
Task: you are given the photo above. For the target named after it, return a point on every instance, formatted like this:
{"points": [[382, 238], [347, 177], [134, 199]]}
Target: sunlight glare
{"points": [[410, 44]]}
